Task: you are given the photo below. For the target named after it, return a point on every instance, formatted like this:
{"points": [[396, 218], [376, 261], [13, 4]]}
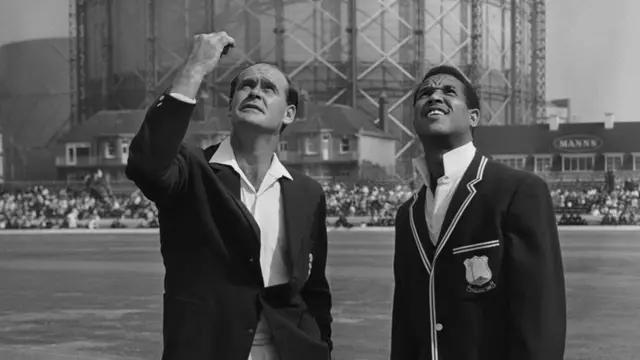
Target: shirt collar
{"points": [[455, 162], [224, 155]]}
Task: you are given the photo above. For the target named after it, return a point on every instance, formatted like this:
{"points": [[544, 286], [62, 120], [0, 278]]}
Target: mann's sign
{"points": [[577, 143]]}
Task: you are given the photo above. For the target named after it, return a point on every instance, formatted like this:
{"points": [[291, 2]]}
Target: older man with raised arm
{"points": [[243, 238]]}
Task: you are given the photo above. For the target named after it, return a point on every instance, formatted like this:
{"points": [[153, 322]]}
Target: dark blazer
{"points": [[493, 288], [210, 245]]}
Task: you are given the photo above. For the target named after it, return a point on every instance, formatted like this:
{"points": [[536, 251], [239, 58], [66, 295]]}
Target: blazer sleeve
{"points": [[535, 277], [402, 343], [158, 161], [316, 291]]}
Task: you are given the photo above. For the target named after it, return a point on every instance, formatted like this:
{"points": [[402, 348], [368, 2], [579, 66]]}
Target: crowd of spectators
{"points": [[615, 206], [364, 204], [39, 207], [377, 203]]}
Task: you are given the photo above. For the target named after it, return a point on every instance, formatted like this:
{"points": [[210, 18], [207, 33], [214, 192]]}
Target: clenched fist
{"points": [[207, 49], [205, 54]]}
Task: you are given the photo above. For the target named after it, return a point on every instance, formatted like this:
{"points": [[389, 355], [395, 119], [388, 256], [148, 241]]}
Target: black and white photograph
{"points": [[319, 180]]}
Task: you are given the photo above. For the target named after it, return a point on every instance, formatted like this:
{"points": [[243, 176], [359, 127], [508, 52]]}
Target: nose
{"points": [[255, 92], [435, 98]]}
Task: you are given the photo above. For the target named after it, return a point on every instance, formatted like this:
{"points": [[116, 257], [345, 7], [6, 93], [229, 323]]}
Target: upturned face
{"points": [[441, 108], [260, 99]]}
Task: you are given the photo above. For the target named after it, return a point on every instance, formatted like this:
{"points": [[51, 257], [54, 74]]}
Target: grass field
{"points": [[98, 296]]}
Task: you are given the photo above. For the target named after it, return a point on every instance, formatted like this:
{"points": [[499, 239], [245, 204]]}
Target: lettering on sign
{"points": [[577, 143]]}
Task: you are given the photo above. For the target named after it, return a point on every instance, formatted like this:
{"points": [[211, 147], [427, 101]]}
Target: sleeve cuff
{"points": [[182, 98]]}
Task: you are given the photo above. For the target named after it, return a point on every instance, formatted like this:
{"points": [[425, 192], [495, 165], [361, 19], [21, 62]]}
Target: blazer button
{"points": [[251, 259], [250, 331], [438, 327]]}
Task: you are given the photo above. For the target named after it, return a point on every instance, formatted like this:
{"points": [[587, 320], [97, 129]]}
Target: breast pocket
{"points": [[478, 268]]}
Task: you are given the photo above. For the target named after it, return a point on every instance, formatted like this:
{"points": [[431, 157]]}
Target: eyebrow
{"points": [[253, 80], [425, 87]]}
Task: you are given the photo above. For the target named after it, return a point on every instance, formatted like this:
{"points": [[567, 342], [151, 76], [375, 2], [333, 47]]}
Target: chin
{"points": [[250, 118], [255, 124], [433, 129]]}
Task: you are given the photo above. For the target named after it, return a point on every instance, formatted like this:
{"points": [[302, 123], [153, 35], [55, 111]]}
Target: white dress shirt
{"points": [[455, 164], [265, 204]]}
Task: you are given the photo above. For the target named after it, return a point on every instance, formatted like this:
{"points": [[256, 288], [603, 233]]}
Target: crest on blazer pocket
{"points": [[478, 274]]}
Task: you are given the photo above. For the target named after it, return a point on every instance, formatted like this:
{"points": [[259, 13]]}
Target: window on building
{"points": [[583, 162], [543, 163], [613, 162], [310, 146], [125, 148], [636, 161], [77, 151], [344, 145], [109, 149], [514, 161], [283, 146]]}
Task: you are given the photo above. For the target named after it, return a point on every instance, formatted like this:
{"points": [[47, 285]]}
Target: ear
{"points": [[289, 115], [474, 117]]}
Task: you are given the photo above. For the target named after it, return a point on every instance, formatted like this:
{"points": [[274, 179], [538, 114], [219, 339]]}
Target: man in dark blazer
{"points": [[478, 269], [243, 239]]}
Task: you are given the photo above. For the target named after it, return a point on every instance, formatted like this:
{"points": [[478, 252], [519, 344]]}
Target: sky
{"points": [[592, 55]]}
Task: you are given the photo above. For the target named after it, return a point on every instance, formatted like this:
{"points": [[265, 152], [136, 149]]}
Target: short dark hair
{"points": [[470, 93], [292, 94]]}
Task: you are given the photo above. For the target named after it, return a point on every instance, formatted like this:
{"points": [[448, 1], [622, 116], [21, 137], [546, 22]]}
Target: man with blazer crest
{"points": [[243, 238], [478, 269]]}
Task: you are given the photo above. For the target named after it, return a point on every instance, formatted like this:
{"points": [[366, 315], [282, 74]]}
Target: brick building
{"points": [[565, 151], [325, 141]]}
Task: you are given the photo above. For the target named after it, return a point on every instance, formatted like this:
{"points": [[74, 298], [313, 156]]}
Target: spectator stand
{"points": [[356, 203]]}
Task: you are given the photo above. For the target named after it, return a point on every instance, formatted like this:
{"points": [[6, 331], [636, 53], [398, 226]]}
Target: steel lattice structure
{"points": [[340, 51]]}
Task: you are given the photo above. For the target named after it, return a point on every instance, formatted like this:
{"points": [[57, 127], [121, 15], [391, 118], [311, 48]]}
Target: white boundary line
{"points": [[586, 228]]}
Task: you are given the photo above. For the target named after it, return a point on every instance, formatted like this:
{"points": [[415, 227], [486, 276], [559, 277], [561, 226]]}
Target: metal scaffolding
{"points": [[340, 51]]}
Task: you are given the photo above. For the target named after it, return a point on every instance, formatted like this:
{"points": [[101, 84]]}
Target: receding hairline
{"points": [[274, 67], [290, 90]]}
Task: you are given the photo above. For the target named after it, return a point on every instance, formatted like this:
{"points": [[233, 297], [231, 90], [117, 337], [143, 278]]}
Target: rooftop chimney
{"points": [[301, 111], [554, 123], [609, 120], [382, 112]]}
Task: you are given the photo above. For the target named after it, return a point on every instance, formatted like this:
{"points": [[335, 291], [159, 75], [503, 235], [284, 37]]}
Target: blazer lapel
{"points": [[461, 198], [231, 181], [295, 221], [420, 230], [229, 178]]}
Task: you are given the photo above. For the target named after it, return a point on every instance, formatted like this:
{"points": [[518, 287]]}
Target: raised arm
{"points": [[535, 276], [157, 161], [154, 163]]}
